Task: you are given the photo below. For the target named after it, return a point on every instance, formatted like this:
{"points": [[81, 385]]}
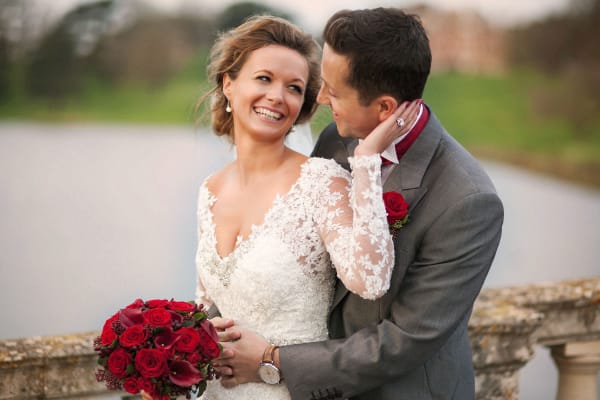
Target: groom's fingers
{"points": [[225, 355], [228, 382], [225, 371]]}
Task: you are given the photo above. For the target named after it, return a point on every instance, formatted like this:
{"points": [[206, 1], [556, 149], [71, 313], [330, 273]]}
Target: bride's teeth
{"points": [[268, 113]]}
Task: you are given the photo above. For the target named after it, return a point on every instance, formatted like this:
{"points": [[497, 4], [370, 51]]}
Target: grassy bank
{"points": [[494, 117]]}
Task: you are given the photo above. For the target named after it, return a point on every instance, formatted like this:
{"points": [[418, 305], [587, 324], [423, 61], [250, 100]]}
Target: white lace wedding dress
{"points": [[279, 281]]}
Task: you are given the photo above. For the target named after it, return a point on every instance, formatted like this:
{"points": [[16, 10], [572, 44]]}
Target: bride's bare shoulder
{"points": [[215, 181]]}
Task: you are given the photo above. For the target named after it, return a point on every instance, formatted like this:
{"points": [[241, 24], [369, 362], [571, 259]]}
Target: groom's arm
{"points": [[435, 296]]}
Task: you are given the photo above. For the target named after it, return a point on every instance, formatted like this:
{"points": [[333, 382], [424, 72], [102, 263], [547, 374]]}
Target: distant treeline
{"points": [[118, 42], [566, 47]]}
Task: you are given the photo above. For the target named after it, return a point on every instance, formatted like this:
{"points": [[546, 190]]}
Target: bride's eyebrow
{"points": [[270, 73]]}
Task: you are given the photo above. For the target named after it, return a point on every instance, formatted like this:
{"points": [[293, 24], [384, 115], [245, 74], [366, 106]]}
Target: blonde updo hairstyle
{"points": [[232, 49]]}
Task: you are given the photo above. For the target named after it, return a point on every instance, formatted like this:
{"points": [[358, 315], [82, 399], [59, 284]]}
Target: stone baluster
{"points": [[501, 339], [578, 365]]}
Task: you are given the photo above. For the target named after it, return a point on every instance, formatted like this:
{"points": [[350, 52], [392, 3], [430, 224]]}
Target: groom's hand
{"points": [[240, 358]]}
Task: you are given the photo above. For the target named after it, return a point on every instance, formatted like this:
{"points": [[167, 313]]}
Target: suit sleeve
{"points": [[436, 295]]}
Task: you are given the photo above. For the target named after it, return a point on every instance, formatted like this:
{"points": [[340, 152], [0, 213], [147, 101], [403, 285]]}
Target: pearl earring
{"points": [[228, 108]]}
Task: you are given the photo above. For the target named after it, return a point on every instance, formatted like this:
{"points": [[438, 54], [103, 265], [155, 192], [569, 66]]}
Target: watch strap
{"points": [[269, 354]]}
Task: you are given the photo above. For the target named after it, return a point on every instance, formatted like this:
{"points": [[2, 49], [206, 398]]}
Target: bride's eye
{"points": [[297, 88]]}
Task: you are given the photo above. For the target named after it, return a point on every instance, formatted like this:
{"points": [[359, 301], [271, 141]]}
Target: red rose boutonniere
{"points": [[397, 210]]}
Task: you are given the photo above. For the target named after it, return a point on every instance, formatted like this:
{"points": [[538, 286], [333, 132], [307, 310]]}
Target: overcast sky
{"points": [[312, 14]]}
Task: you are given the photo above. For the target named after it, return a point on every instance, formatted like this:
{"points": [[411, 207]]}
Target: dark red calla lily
{"points": [[166, 339], [182, 373], [130, 317], [210, 329]]}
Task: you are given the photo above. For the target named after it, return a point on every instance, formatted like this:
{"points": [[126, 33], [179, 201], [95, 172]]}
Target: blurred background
{"points": [[102, 151]]}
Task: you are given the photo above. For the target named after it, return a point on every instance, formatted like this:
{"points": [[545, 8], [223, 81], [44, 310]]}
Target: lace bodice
{"points": [[279, 281]]}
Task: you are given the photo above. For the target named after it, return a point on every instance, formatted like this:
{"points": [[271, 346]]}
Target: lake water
{"points": [[92, 217]]}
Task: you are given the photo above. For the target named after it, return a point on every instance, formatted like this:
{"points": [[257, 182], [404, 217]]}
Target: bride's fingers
{"points": [[221, 324], [145, 396], [229, 335], [405, 116], [396, 125]]}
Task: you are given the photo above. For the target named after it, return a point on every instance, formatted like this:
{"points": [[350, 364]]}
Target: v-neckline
{"points": [[240, 241]]}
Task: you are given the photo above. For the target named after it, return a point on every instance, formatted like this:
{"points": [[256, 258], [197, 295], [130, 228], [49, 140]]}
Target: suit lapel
{"points": [[406, 177]]}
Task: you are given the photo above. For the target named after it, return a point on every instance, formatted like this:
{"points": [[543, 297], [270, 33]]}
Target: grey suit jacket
{"points": [[413, 342]]}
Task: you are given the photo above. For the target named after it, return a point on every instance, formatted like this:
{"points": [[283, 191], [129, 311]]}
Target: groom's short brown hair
{"points": [[387, 49]]}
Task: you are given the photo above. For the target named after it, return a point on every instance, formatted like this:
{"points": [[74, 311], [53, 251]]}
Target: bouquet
{"points": [[163, 347]]}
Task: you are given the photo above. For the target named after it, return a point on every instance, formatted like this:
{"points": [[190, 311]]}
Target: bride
{"points": [[274, 226]]}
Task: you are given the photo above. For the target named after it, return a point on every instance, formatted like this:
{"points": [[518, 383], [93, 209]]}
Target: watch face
{"points": [[269, 373]]}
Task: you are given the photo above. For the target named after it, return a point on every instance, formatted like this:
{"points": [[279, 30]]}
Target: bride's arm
{"points": [[355, 232], [354, 226]]}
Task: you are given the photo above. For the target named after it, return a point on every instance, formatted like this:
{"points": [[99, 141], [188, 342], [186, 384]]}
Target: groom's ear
{"points": [[386, 106]]}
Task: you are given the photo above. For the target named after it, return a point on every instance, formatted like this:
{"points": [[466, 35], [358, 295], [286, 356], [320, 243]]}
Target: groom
{"points": [[412, 343]]}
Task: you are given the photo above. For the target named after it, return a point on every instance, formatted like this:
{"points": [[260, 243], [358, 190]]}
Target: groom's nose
{"points": [[322, 96]]}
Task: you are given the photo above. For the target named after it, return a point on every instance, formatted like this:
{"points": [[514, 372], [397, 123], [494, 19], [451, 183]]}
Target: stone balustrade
{"points": [[508, 322], [506, 325]]}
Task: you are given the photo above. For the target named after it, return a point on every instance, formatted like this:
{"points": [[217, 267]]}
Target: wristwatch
{"points": [[267, 370]]}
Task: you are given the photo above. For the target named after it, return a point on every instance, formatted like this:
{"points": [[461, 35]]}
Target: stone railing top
{"points": [[556, 312], [575, 293], [500, 316], [32, 348]]}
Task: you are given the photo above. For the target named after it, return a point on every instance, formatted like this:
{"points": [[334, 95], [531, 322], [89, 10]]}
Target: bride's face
{"points": [[267, 95]]}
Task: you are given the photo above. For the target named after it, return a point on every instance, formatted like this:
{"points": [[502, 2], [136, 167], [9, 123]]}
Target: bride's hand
{"points": [[396, 125], [145, 396], [221, 326]]}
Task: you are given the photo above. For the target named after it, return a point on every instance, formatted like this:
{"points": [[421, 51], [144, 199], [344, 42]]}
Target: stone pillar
{"points": [[578, 366]]}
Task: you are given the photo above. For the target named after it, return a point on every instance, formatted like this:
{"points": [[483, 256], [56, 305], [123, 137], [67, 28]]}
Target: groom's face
{"points": [[351, 117]]}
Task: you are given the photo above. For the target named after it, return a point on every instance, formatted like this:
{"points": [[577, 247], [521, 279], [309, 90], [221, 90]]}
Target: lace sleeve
{"points": [[355, 231]]}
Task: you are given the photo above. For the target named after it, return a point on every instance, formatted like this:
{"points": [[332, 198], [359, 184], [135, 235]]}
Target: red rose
{"points": [[156, 303], [133, 336], [157, 317], [183, 306], [118, 361], [396, 208], [131, 385], [194, 358], [151, 363], [108, 335], [189, 339]]}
